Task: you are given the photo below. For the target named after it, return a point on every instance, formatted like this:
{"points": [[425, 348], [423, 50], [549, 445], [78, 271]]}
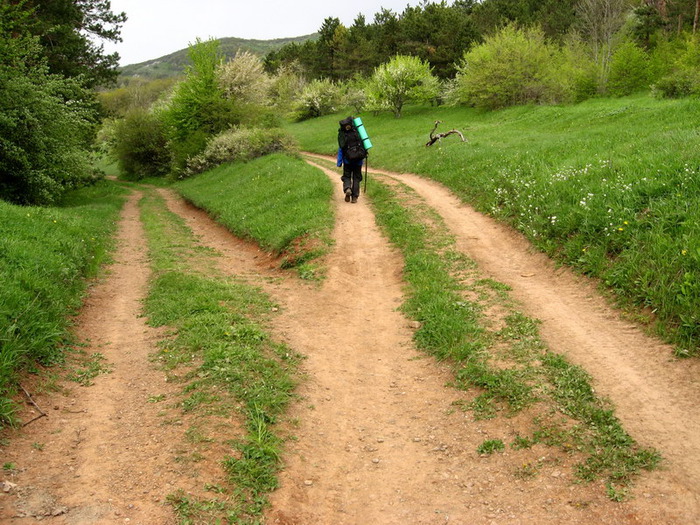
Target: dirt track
{"points": [[378, 437]]}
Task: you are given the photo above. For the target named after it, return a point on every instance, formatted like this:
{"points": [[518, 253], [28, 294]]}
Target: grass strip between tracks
{"points": [[220, 349], [472, 323]]}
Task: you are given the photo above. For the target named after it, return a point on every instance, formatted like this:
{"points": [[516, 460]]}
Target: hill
{"points": [[174, 64]]}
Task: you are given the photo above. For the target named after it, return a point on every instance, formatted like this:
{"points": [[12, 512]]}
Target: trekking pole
{"points": [[364, 190]]}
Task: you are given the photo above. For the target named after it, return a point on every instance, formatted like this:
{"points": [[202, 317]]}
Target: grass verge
{"points": [[47, 254], [226, 362]]}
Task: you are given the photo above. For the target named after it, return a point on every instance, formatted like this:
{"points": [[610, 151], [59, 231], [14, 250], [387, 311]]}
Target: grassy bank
{"points": [[609, 187], [47, 253], [278, 201]]}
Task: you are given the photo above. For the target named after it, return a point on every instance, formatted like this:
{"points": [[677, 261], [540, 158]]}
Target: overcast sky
{"points": [[159, 27]]}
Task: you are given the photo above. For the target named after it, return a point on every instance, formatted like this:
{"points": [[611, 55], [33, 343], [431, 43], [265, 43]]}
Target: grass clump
{"points": [[230, 364], [277, 201], [47, 253]]}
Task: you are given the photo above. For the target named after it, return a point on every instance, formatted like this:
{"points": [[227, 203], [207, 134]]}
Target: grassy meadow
{"points": [[607, 186], [47, 253]]}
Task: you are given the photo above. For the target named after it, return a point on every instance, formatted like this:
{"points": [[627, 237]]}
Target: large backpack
{"points": [[350, 141]]}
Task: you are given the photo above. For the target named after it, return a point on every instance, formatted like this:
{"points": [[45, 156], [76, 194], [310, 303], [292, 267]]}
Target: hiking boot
{"points": [[354, 199], [348, 192]]}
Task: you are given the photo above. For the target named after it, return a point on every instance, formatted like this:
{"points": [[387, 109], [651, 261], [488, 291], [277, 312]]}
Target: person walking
{"points": [[351, 156]]}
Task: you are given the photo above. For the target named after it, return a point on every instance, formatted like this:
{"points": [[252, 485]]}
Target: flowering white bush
{"points": [[319, 97], [243, 79], [239, 144]]}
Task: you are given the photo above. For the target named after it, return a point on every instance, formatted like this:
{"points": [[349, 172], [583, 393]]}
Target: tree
{"points": [[243, 79], [198, 108], [67, 30], [46, 125], [600, 22], [514, 66], [403, 79]]}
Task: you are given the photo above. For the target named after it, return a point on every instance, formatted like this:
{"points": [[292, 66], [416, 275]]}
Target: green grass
{"points": [[278, 201], [229, 363], [608, 186], [47, 253], [500, 356]]}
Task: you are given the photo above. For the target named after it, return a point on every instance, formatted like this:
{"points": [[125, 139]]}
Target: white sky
{"points": [[159, 27]]}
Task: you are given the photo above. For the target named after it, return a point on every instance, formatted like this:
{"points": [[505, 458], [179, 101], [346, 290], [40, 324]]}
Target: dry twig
{"points": [[434, 138], [41, 412]]}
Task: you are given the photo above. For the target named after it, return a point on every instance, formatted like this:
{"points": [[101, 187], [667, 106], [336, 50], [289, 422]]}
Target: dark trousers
{"points": [[352, 175]]}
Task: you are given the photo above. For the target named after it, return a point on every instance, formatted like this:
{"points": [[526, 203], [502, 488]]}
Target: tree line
{"points": [[440, 33]]}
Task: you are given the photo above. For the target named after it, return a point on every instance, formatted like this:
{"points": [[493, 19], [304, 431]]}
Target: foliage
{"points": [[134, 94], [286, 86], [629, 70], [198, 107], [401, 80], [140, 145], [47, 254], [683, 77], [244, 80], [69, 32], [240, 144], [319, 97], [46, 122], [514, 66]]}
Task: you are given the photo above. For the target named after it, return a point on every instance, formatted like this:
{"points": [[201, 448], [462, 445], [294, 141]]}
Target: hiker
{"points": [[351, 153]]}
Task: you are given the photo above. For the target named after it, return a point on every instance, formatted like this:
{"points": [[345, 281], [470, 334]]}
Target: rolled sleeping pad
{"points": [[362, 132]]}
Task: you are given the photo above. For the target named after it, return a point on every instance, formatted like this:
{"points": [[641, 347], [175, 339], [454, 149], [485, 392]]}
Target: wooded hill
{"points": [[173, 64]]}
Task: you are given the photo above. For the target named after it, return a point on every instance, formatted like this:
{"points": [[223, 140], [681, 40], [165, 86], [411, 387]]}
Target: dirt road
{"points": [[378, 436]]}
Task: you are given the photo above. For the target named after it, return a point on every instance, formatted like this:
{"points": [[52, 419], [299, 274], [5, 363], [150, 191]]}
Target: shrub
{"points": [[629, 70], [678, 84], [684, 78], [318, 98], [140, 145], [240, 144], [512, 67], [403, 79], [198, 108], [244, 80]]}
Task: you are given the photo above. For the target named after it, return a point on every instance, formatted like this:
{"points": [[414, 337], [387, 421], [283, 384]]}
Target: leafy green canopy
{"points": [[46, 121]]}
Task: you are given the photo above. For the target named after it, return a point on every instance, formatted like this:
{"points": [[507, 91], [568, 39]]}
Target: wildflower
{"points": [[684, 252]]}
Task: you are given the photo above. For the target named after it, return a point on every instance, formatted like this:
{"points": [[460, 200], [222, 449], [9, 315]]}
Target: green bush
{"points": [[513, 67], [47, 125], [318, 98], [401, 80], [198, 107], [629, 70], [679, 84], [140, 145]]}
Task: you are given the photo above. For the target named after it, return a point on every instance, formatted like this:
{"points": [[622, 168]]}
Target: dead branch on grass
{"points": [[435, 138]]}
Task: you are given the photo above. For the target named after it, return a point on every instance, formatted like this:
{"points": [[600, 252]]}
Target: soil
{"points": [[378, 433]]}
